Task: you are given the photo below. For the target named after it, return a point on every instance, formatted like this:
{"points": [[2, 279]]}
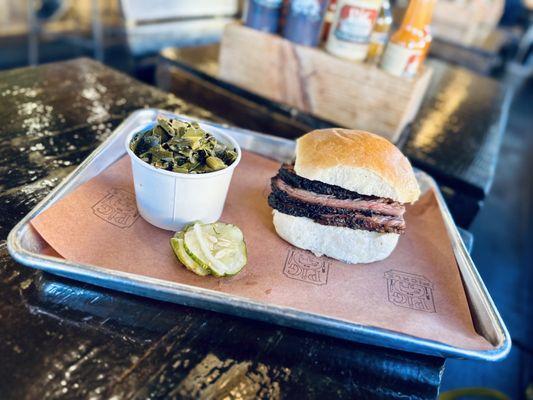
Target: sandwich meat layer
{"points": [[332, 205]]}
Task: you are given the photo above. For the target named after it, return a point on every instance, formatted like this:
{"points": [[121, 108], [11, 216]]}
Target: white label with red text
{"points": [[401, 61], [351, 29], [355, 24]]}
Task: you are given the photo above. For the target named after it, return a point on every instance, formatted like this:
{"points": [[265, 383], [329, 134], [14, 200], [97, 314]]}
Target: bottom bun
{"points": [[353, 246]]}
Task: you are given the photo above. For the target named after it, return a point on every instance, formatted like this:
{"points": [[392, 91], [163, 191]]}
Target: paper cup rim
{"points": [[205, 175]]}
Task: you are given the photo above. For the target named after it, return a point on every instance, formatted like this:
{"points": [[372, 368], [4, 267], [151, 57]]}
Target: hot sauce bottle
{"points": [[408, 46], [328, 19], [379, 36], [429, 39]]}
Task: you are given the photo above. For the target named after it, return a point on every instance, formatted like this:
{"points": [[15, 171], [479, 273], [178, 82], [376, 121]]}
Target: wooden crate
{"points": [[348, 94], [467, 22], [153, 25]]}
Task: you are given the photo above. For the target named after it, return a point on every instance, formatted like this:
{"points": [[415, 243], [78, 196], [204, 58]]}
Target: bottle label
{"points": [[379, 37], [311, 9], [355, 23], [269, 3], [401, 61]]}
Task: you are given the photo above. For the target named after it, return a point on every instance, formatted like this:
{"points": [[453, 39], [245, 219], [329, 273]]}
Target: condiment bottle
{"points": [[379, 36], [407, 47], [428, 40], [328, 19], [349, 36], [304, 20], [263, 15]]}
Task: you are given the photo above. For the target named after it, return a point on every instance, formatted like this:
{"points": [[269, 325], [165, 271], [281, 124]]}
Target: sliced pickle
{"points": [[179, 249], [219, 247]]}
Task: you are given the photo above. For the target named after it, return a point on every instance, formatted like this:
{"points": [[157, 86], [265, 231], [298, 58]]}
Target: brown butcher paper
{"points": [[416, 291]]}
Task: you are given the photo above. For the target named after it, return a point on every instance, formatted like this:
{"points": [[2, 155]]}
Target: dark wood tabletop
{"points": [[455, 137], [60, 339]]}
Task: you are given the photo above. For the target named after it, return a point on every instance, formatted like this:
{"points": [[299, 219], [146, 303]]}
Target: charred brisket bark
{"points": [[286, 172], [333, 205], [336, 217]]}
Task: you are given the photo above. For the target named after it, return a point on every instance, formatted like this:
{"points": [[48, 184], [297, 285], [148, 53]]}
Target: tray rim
{"points": [[216, 301]]}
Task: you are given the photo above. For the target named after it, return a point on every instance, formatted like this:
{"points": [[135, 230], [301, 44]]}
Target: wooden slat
{"points": [[142, 10], [354, 95], [150, 38], [466, 22]]}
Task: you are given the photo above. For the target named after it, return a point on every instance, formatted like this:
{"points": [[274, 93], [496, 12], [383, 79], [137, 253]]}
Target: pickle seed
{"points": [[222, 253]]}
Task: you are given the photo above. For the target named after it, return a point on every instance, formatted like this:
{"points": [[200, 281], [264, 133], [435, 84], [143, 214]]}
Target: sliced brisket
{"points": [[326, 216], [286, 173], [363, 205], [333, 205]]}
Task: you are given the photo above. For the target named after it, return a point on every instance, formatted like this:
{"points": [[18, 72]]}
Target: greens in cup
{"points": [[182, 147]]}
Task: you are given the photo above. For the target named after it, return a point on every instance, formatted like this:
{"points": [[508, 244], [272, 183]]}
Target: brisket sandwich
{"points": [[344, 196]]}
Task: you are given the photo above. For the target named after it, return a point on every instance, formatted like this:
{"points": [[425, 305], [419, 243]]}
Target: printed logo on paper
{"points": [[304, 266], [118, 208], [410, 291]]}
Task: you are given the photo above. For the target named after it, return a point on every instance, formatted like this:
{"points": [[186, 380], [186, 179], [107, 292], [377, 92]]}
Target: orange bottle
{"points": [[429, 39], [408, 46]]}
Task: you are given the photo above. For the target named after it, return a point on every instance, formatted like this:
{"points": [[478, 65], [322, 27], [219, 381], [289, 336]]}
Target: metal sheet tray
{"points": [[28, 248]]}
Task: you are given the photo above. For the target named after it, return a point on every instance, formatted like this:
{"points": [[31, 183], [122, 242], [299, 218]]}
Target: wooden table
{"points": [[61, 339], [455, 137]]}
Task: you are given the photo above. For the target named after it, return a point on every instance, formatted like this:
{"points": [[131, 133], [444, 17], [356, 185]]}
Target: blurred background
{"points": [[121, 33], [127, 34], [488, 38]]}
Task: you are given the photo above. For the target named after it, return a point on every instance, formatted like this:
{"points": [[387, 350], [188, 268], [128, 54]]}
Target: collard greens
{"points": [[181, 146]]}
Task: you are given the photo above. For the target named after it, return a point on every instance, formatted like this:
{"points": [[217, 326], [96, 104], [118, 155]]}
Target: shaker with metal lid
{"points": [[304, 21], [263, 15]]}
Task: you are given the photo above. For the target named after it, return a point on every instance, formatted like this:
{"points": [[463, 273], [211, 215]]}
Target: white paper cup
{"points": [[171, 200]]}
